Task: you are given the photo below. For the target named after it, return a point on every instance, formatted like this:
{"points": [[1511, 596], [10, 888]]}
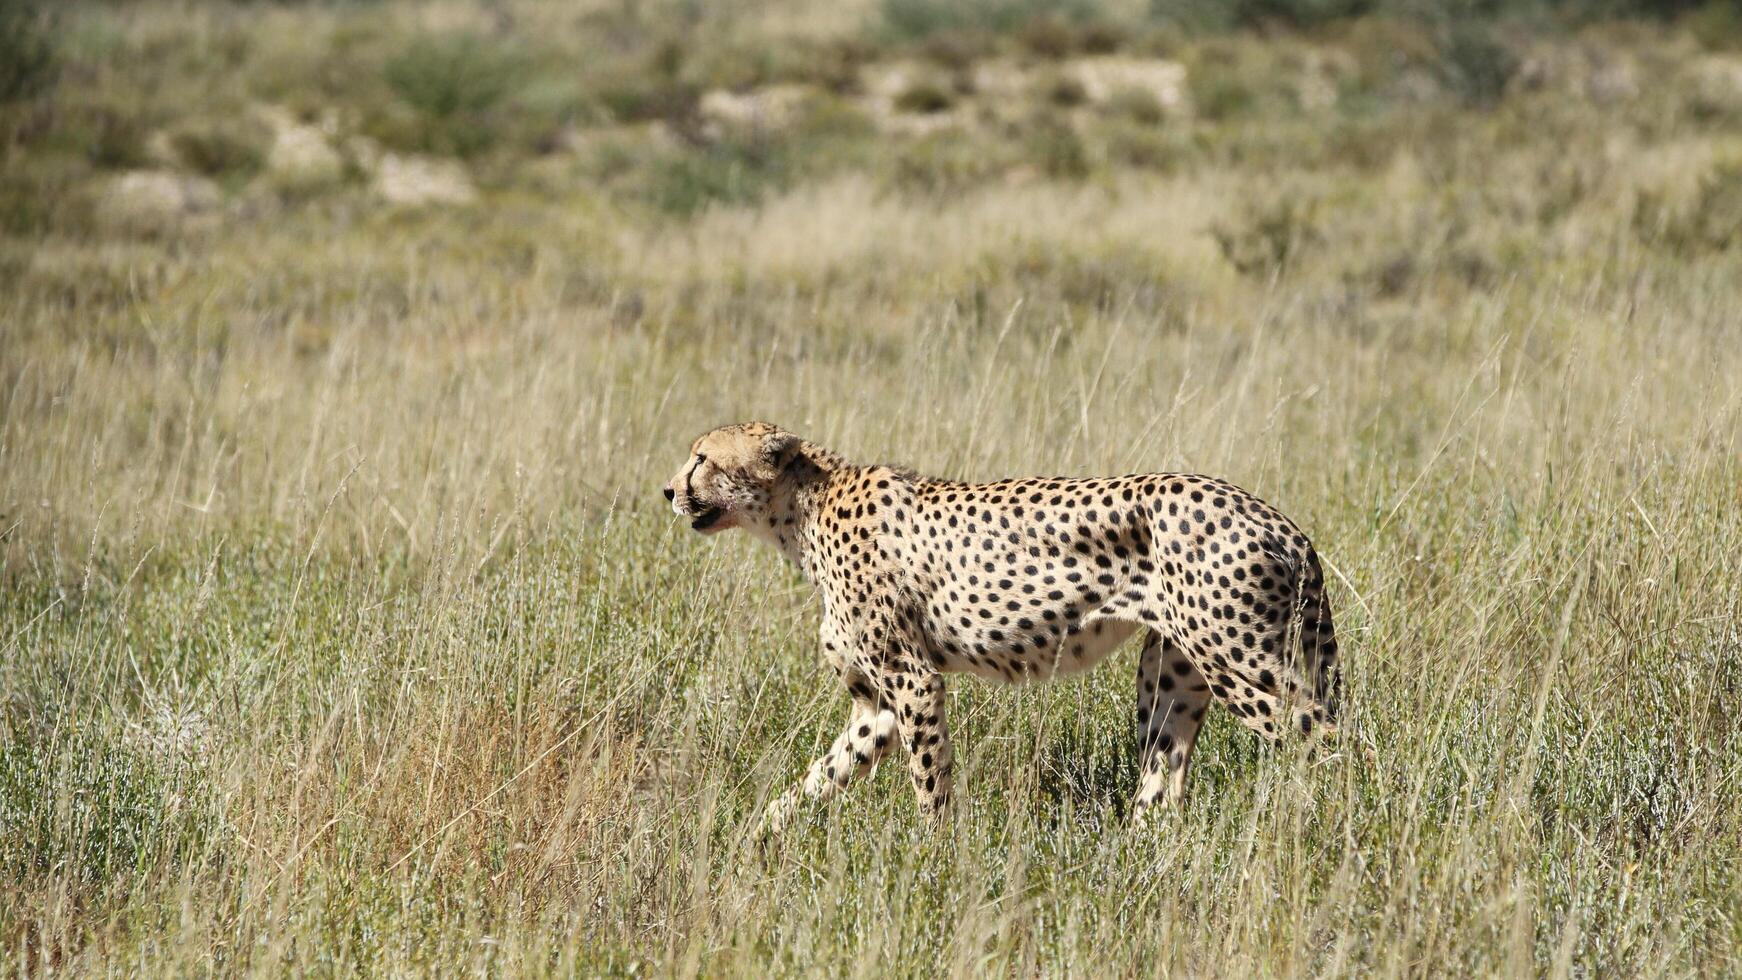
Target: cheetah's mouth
{"points": [[708, 518]]}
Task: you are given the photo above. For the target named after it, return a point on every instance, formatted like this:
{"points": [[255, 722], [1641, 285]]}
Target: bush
{"points": [[455, 84], [27, 57], [832, 65], [41, 200], [1138, 105], [1475, 64], [1709, 222], [733, 171], [1267, 236], [1222, 15], [641, 99], [924, 97], [909, 20], [1717, 25], [1147, 148], [1047, 36], [108, 136], [956, 50], [1102, 37], [1056, 149], [445, 77], [1300, 13], [1065, 91], [222, 149], [945, 163], [1221, 94]]}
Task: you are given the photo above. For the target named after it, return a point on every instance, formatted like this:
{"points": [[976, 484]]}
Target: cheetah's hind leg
{"points": [[1172, 697]]}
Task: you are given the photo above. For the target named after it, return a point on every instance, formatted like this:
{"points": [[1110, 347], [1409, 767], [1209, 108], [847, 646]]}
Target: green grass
{"points": [[343, 628]]}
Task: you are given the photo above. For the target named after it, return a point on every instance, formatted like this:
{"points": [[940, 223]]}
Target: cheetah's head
{"points": [[732, 476]]}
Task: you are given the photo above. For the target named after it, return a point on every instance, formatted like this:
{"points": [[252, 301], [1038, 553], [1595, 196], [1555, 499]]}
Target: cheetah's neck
{"points": [[793, 512]]}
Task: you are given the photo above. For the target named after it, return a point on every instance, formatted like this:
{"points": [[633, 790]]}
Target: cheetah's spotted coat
{"points": [[1024, 579]]}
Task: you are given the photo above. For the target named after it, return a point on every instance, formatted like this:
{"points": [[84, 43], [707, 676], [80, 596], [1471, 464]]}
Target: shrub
{"points": [[956, 50], [455, 84], [40, 200], [1709, 222], [27, 56], [1300, 13], [945, 163], [1147, 148], [1065, 91], [1266, 236], [1102, 37], [1047, 36], [1221, 94], [732, 171], [833, 65], [1716, 25], [1474, 62], [924, 97], [1138, 105], [641, 99], [658, 90], [449, 76], [230, 148], [108, 136], [1056, 149], [909, 20]]}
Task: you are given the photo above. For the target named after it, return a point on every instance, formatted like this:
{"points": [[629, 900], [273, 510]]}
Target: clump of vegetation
{"points": [[918, 19], [1056, 149], [1136, 104], [945, 164], [640, 99], [925, 96], [1476, 63], [1268, 234], [1047, 36], [232, 148], [449, 76], [1064, 91], [732, 171], [456, 85], [957, 51], [1707, 221], [27, 56], [111, 136], [1226, 77], [1143, 146]]}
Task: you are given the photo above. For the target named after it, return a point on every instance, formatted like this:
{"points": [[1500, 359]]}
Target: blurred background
{"points": [[145, 116]]}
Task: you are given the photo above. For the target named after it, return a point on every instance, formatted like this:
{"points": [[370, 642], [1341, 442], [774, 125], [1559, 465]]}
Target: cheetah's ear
{"points": [[779, 449]]}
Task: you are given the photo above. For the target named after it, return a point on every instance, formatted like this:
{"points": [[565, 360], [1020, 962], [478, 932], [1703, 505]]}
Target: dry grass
{"points": [[342, 627]]}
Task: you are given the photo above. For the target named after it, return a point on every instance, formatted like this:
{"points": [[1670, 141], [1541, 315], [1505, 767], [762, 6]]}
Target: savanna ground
{"points": [[342, 626]]}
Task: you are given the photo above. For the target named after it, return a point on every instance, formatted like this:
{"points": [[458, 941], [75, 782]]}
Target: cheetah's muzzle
{"points": [[707, 518]]}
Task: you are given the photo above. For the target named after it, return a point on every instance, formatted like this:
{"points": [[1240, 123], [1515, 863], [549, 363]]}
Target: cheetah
{"points": [[1026, 579]]}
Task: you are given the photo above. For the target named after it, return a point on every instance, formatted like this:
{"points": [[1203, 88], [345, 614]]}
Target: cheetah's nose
{"points": [[670, 493]]}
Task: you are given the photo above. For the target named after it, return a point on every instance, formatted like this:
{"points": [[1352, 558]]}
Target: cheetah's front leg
{"points": [[918, 697], [869, 735]]}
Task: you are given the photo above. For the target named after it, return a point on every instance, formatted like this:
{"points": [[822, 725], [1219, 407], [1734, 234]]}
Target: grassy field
{"points": [[343, 628]]}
